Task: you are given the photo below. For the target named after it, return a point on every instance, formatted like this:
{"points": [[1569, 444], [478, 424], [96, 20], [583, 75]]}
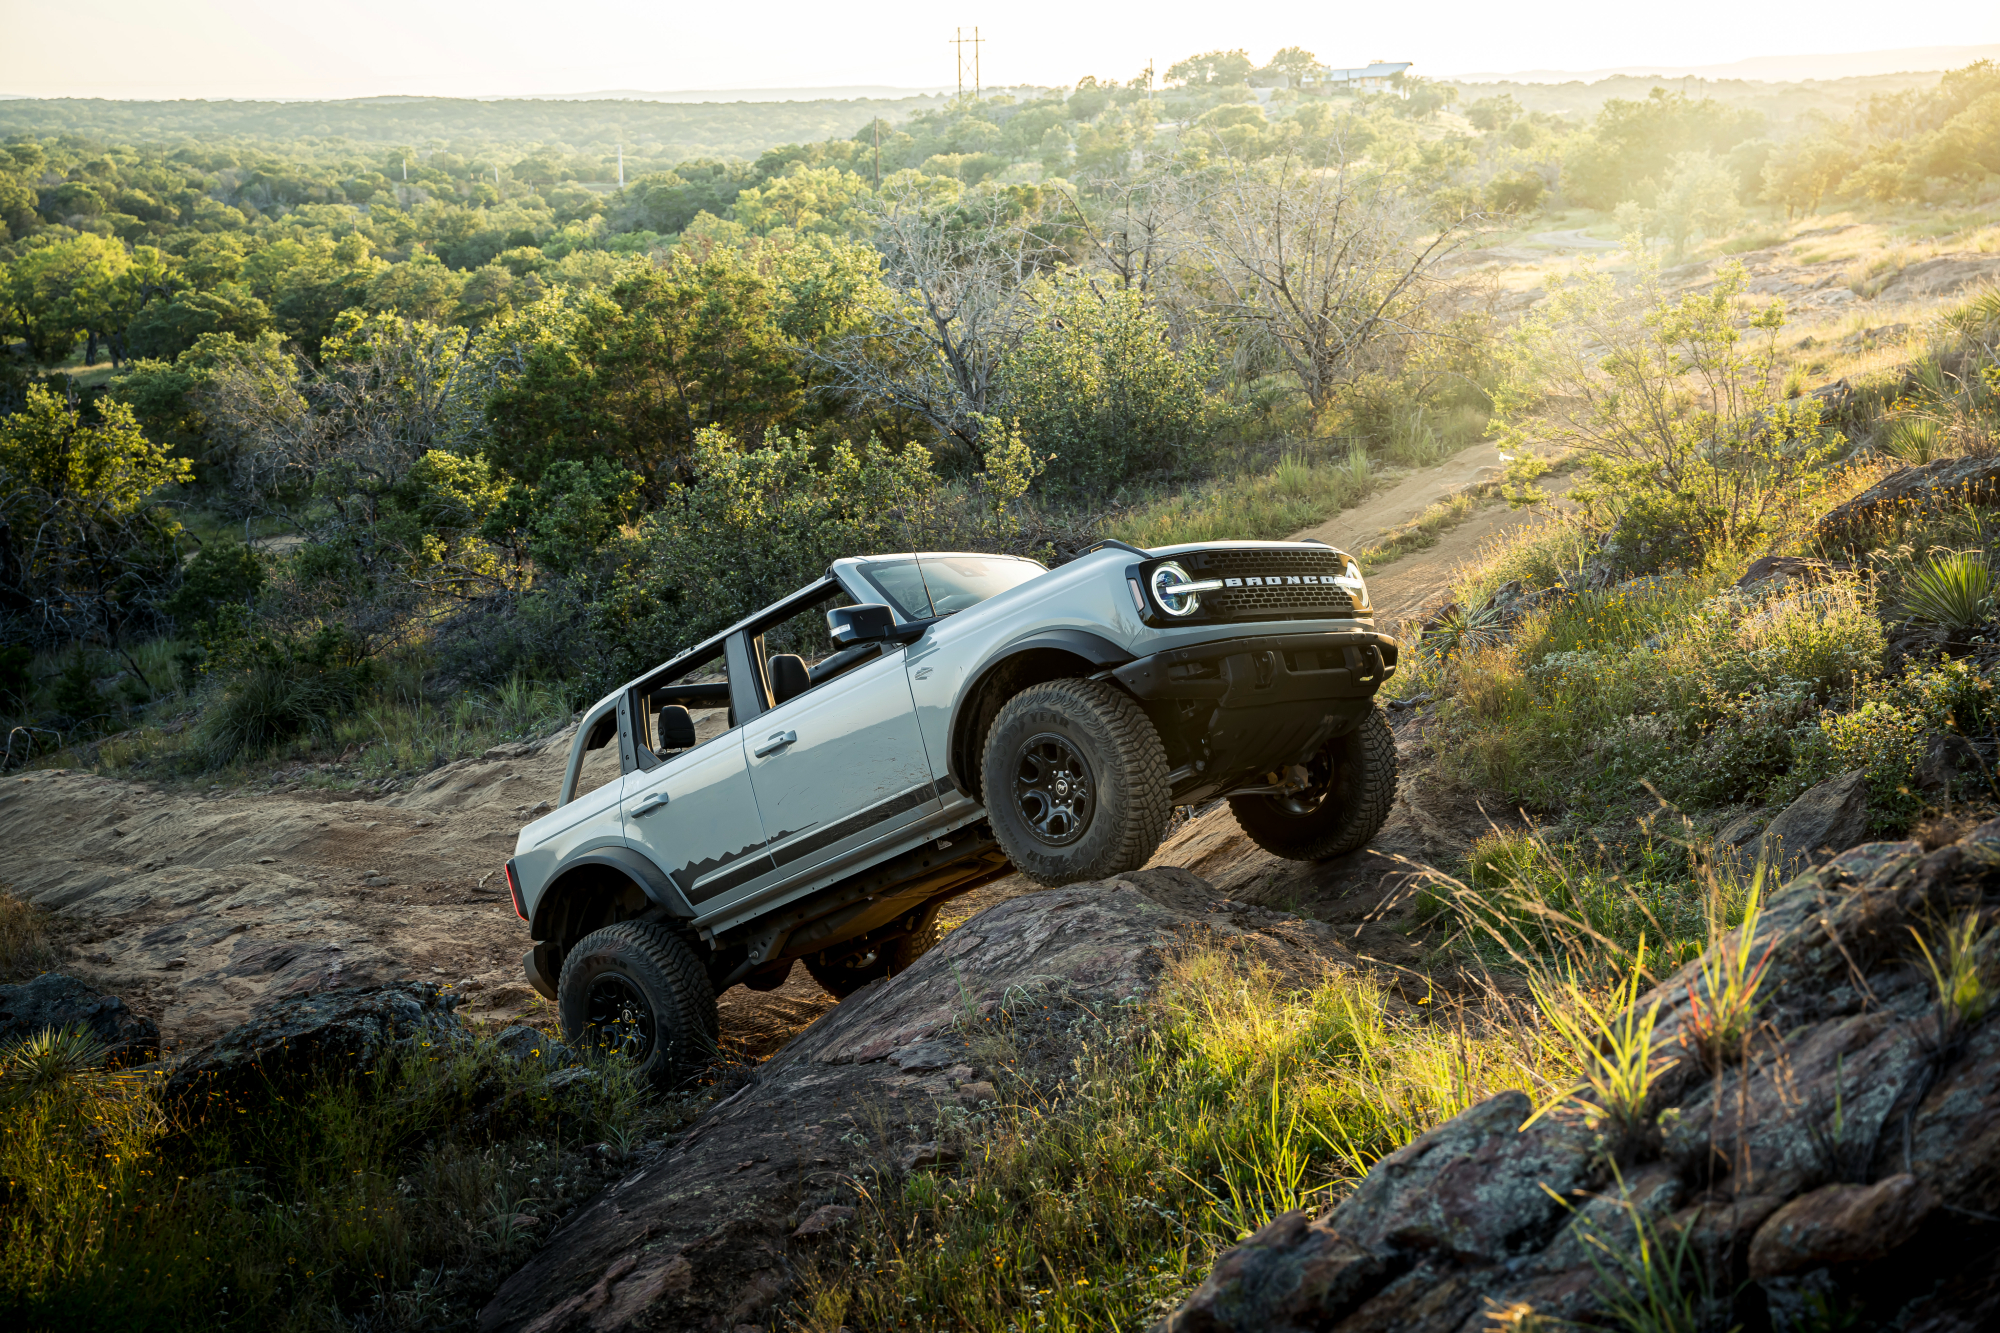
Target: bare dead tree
{"points": [[954, 274], [1327, 264]]}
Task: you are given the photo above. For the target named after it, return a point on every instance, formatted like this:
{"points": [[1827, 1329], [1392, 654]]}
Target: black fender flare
{"points": [[655, 883], [1095, 649]]}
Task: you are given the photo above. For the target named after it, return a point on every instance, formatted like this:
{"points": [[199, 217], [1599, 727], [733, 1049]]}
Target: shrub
{"points": [[222, 573], [1953, 592], [281, 688], [1100, 385], [1917, 439]]}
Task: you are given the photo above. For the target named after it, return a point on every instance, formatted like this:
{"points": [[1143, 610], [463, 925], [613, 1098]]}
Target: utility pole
{"points": [[621, 166], [961, 41], [878, 152]]}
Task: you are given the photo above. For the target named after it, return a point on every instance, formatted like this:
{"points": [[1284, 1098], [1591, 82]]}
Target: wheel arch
{"points": [[600, 887], [1048, 655]]}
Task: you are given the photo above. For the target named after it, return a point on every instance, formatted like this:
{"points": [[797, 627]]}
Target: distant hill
{"points": [[1768, 69], [647, 128]]}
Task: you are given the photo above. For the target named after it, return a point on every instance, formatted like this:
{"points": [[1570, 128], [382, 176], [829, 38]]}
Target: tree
{"points": [[1326, 265], [1213, 69], [58, 293], [1099, 387], [1298, 65], [82, 549], [954, 309], [1800, 173], [1699, 198], [634, 376], [1633, 142]]}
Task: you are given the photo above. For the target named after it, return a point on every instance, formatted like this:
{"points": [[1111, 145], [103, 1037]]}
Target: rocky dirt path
{"points": [[197, 907]]}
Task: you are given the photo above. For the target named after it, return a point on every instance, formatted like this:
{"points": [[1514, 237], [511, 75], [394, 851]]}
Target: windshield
{"points": [[937, 585]]}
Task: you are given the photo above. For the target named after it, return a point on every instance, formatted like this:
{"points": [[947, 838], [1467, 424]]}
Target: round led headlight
{"points": [[1173, 590]]}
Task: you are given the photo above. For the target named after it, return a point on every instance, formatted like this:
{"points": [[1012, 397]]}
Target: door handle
{"points": [[775, 742], [655, 801]]}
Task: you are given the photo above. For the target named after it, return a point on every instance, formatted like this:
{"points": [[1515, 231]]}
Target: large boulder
{"points": [[1812, 829], [53, 1000], [1847, 1160], [706, 1236], [325, 1032]]}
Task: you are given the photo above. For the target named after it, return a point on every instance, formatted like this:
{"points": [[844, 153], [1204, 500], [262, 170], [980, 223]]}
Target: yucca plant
{"points": [[1917, 439], [1953, 592], [52, 1061]]}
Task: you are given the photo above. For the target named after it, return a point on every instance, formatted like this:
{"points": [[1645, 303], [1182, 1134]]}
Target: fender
{"points": [[655, 883], [1095, 649]]}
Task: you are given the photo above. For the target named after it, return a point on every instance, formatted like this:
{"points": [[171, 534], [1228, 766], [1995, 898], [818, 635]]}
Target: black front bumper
{"points": [[1233, 709]]}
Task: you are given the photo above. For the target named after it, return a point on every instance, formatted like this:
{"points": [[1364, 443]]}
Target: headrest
{"points": [[789, 677]]}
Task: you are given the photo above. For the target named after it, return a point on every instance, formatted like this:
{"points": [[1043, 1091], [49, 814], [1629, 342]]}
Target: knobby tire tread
{"points": [[676, 963], [1149, 804]]}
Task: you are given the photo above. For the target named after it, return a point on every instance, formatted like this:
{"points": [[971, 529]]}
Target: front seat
{"points": [[789, 677]]}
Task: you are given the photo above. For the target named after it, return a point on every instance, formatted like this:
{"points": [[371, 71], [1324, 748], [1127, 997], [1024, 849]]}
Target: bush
{"points": [[1099, 384], [222, 573], [1953, 592], [281, 688]]}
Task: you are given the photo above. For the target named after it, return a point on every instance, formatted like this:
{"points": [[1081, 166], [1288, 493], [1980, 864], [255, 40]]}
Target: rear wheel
{"points": [[1075, 782], [1353, 785], [840, 975], [636, 990]]}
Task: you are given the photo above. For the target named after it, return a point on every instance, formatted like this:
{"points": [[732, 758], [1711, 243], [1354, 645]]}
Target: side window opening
{"points": [[798, 653], [702, 690]]}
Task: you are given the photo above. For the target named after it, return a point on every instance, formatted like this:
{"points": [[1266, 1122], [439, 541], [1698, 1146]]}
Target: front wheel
{"points": [[1075, 782], [1354, 782], [636, 990]]}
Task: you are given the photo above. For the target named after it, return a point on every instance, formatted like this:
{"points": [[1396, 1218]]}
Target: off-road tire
{"points": [[655, 980], [1356, 799], [840, 979], [1129, 803]]}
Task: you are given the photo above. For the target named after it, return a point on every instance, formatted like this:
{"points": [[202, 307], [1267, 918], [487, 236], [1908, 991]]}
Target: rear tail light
{"points": [[514, 892]]}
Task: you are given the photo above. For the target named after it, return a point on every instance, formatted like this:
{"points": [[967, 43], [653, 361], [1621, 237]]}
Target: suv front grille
{"points": [[1280, 590]]}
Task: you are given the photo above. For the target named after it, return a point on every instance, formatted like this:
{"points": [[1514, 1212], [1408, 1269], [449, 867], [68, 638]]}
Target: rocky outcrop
{"points": [[1846, 1160], [706, 1235], [325, 1032], [1812, 829], [1949, 483], [53, 1000]]}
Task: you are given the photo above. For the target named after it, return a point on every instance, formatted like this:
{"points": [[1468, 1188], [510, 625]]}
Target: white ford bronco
{"points": [[813, 783]]}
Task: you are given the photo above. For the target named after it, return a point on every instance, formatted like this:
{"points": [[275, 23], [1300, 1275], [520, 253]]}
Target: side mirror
{"points": [[676, 728], [870, 622]]}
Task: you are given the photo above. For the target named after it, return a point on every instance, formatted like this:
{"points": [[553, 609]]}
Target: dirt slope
{"points": [[196, 908]]}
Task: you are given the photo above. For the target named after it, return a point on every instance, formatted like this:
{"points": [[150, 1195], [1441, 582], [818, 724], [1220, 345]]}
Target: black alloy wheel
{"points": [[1054, 791], [620, 1021], [1351, 785]]}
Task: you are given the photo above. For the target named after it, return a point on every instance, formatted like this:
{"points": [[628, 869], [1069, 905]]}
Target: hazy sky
{"points": [[356, 48]]}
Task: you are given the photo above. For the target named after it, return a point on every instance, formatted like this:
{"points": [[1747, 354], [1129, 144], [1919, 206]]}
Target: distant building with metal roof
{"points": [[1365, 78]]}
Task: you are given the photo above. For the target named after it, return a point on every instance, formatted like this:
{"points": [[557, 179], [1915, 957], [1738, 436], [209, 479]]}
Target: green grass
{"points": [[1230, 1099], [396, 732], [1299, 492]]}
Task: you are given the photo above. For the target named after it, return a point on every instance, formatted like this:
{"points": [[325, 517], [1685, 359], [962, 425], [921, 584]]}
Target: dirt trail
{"points": [[197, 908]]}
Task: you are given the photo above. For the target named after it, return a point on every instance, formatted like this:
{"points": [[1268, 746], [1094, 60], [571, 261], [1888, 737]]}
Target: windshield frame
{"points": [[866, 570]]}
